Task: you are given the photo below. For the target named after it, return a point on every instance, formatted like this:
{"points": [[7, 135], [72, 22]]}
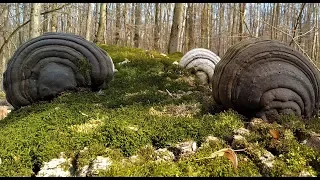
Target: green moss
{"points": [[119, 125]]}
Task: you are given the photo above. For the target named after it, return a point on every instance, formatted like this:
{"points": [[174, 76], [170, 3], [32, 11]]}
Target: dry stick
{"points": [[214, 157], [25, 23], [296, 24]]}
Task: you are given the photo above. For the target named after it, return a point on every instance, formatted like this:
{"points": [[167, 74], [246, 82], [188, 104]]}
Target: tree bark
{"points": [[157, 27], [35, 20], [176, 25], [204, 26], [137, 28], [54, 20], [102, 24], [89, 19], [117, 34], [242, 7]]}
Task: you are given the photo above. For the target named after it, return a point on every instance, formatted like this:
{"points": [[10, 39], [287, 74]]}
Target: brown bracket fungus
{"points": [[265, 78], [52, 63], [203, 61]]}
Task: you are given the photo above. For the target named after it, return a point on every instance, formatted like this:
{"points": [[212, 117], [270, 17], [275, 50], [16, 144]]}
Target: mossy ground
{"points": [[147, 103]]}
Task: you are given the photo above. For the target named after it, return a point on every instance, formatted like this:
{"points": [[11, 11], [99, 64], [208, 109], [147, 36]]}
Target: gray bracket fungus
{"points": [[203, 61], [52, 63], [266, 78]]}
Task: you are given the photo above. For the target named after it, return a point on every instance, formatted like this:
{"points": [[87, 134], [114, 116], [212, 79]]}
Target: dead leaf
{"points": [[228, 153], [274, 133]]}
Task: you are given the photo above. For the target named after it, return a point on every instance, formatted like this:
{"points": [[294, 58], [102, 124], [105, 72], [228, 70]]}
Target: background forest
{"points": [[165, 27]]}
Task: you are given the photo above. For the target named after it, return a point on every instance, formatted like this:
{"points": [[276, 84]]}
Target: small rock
{"points": [[238, 140], [100, 93], [164, 154], [242, 131], [100, 163], [115, 70], [186, 148], [267, 159], [164, 55], [306, 174], [211, 138], [255, 121], [84, 171], [314, 142], [0, 161], [133, 128], [84, 149], [54, 168], [133, 158], [124, 62], [175, 63]]}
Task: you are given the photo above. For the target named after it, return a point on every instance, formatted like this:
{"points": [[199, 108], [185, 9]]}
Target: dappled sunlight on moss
{"points": [[150, 104]]}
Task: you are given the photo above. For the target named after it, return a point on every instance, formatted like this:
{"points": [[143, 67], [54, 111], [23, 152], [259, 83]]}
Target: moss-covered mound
{"points": [[150, 104]]}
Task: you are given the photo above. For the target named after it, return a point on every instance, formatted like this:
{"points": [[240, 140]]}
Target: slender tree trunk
{"points": [[117, 34], [257, 20], [102, 24], [157, 27], [204, 25], [242, 7], [176, 25], [54, 21], [233, 23], [137, 37], [221, 23], [45, 19], [190, 26], [5, 13], [125, 26], [35, 20], [89, 19]]}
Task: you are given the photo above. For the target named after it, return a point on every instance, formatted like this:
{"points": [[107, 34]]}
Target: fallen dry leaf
{"points": [[274, 133], [228, 153]]}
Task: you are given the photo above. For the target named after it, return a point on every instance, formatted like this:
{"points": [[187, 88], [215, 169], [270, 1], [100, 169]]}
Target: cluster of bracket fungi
{"points": [[256, 77]]}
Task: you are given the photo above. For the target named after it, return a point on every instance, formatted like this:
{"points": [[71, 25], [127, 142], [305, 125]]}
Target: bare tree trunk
{"points": [[125, 11], [242, 7], [204, 25], [257, 20], [137, 28], [132, 28], [157, 27], [35, 20], [221, 22], [233, 23], [5, 13], [45, 19], [102, 24], [316, 35], [117, 34], [176, 25], [54, 22], [190, 26], [89, 19]]}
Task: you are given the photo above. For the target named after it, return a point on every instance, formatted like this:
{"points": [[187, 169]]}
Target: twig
{"points": [[296, 24], [6, 40]]}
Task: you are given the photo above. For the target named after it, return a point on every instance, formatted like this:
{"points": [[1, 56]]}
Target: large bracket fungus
{"points": [[202, 61], [53, 63], [265, 78]]}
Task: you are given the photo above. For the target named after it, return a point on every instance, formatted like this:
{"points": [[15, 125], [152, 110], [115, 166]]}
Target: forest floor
{"points": [[154, 119]]}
